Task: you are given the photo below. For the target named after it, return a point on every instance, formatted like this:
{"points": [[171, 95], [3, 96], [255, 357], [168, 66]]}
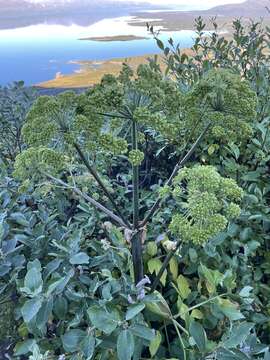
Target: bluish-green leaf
{"points": [[79, 259], [30, 309], [88, 346], [134, 310], [125, 345], [104, 319], [72, 339], [143, 332], [238, 335], [198, 333]]}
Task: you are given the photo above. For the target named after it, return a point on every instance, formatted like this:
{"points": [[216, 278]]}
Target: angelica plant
{"points": [[110, 121]]}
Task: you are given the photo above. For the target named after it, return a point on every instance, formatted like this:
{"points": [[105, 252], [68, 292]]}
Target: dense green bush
{"points": [[135, 221]]}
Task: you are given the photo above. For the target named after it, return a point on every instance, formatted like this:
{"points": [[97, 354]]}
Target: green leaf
{"points": [[30, 309], [198, 333], [173, 264], [230, 310], [88, 346], [60, 307], [238, 334], [125, 345], [245, 292], [63, 282], [160, 44], [212, 277], [44, 313], [23, 348], [156, 304], [143, 332], [72, 339], [154, 265], [155, 344], [183, 287], [79, 259], [134, 310], [104, 318], [33, 281], [19, 218]]}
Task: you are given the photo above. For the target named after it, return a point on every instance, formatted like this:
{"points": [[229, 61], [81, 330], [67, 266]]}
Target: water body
{"points": [[38, 53]]}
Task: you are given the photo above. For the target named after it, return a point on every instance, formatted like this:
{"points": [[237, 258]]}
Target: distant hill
{"points": [[184, 20], [19, 13], [250, 8]]}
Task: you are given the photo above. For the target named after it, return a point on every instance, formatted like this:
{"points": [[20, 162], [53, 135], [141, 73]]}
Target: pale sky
{"points": [[199, 3], [193, 3]]}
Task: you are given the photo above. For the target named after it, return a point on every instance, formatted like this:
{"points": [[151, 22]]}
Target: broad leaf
{"points": [[125, 345], [72, 339], [198, 333], [134, 310], [104, 319]]}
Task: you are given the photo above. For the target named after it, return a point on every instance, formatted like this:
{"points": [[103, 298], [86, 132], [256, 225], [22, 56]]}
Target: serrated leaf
{"points": [[154, 265]]}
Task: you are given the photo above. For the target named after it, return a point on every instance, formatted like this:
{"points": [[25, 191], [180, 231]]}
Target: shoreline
{"points": [[92, 71]]}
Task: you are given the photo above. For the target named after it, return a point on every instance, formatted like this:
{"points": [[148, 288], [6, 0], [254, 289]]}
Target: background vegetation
{"points": [[135, 216]]}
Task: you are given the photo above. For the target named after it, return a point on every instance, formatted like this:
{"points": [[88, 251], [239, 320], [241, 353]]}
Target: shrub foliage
{"points": [[135, 216]]}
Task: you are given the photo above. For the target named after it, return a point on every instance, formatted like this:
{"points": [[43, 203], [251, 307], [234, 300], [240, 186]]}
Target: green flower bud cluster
{"points": [[141, 138], [126, 74], [116, 146], [158, 122], [136, 157], [208, 203], [35, 161], [106, 96], [163, 93], [164, 191], [60, 121], [222, 99]]}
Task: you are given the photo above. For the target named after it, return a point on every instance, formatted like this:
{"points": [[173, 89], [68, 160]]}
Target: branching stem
{"points": [[93, 172], [177, 167], [88, 198]]}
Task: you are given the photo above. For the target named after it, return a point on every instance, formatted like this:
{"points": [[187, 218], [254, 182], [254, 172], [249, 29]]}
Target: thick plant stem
{"points": [[100, 183], [164, 265], [136, 243], [183, 160]]}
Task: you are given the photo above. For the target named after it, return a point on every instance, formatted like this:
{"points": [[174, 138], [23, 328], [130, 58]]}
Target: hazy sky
{"points": [[199, 3]]}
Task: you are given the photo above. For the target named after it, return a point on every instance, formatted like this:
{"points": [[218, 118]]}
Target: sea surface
{"points": [[41, 52]]}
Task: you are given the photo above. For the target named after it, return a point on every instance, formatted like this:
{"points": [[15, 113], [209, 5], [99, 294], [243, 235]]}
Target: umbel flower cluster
{"points": [[207, 202], [99, 120], [220, 99], [226, 102]]}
